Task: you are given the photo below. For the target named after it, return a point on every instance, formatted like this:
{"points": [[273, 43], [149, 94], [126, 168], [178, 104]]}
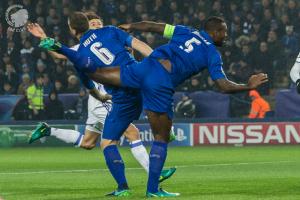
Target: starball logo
{"points": [[16, 17]]}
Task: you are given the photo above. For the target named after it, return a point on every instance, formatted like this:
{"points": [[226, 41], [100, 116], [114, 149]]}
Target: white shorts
{"points": [[96, 119], [96, 128], [97, 112]]}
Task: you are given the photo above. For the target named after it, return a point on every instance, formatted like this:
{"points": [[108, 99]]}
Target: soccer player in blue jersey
{"points": [[188, 52], [126, 101]]}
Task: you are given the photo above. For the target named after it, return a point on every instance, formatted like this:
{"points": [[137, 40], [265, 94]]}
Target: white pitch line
{"points": [[138, 168]]}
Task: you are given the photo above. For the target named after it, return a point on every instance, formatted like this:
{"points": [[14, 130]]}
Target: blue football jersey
{"points": [[190, 51], [102, 48], [105, 47]]}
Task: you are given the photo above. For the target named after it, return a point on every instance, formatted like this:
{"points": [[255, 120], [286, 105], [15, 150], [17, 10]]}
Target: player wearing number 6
{"points": [[188, 52], [108, 44]]}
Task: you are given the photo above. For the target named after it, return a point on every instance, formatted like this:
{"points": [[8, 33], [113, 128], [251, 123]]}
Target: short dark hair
{"points": [[213, 23], [92, 15], [79, 22]]}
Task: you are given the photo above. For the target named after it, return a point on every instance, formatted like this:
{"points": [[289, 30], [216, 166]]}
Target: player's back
{"points": [[190, 51], [107, 47]]}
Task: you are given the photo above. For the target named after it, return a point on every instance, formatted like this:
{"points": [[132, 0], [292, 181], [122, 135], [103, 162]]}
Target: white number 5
{"points": [[189, 45], [102, 53]]}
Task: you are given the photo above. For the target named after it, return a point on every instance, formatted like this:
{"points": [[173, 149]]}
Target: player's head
{"points": [[95, 21], [78, 23], [217, 29]]}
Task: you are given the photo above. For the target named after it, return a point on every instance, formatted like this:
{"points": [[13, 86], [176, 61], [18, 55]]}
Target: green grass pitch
{"points": [[203, 173]]}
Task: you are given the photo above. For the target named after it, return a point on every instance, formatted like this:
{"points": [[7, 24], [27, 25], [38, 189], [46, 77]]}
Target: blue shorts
{"points": [[155, 84], [119, 118]]}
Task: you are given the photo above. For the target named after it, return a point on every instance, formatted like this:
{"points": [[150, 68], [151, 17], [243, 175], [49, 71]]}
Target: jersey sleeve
{"points": [[170, 30], [123, 36], [69, 53], [85, 80], [215, 64]]}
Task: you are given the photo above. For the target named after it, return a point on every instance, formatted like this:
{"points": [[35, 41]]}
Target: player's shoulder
{"points": [[183, 29], [98, 31], [207, 41], [110, 28], [213, 53]]}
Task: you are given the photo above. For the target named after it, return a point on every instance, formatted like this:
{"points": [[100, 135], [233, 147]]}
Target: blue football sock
{"points": [[115, 165], [157, 159]]}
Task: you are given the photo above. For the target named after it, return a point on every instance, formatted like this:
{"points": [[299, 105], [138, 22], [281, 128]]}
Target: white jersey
{"points": [[97, 111], [295, 71]]}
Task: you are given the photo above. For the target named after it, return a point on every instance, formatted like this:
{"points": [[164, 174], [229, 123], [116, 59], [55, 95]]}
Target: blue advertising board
{"points": [[182, 132]]}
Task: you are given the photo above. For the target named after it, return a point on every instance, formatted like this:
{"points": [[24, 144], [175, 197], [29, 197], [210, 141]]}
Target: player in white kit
{"points": [[97, 112], [295, 73]]}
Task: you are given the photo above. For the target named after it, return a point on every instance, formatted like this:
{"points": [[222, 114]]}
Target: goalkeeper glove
{"points": [[50, 44]]}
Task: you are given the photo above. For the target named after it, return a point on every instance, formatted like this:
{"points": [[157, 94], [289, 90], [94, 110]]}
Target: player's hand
{"points": [[125, 27], [105, 98], [298, 86], [257, 80], [36, 30], [50, 44]]}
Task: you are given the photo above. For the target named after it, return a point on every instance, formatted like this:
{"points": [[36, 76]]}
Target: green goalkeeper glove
{"points": [[50, 44]]}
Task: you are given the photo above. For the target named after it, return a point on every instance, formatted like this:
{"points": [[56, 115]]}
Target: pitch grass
{"points": [[203, 173]]}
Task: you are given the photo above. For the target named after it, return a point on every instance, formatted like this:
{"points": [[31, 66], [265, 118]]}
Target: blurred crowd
{"points": [[262, 38]]}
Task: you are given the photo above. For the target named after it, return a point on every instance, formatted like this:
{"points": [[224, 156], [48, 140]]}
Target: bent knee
{"points": [[104, 143], [132, 133]]}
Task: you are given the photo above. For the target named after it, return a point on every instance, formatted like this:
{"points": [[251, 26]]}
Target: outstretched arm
{"points": [[141, 47], [99, 96], [37, 31], [254, 81], [89, 84], [51, 45], [145, 26]]}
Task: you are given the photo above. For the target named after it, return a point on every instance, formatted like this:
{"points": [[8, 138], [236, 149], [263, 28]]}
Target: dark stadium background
{"points": [[219, 153], [257, 30]]}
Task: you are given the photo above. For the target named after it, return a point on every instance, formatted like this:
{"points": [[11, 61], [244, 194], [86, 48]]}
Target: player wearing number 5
{"points": [[188, 52]]}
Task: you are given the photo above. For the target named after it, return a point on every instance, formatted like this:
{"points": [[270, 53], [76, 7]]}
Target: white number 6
{"points": [[102, 53]]}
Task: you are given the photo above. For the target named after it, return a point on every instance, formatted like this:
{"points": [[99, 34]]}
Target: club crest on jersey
{"points": [[88, 62]]}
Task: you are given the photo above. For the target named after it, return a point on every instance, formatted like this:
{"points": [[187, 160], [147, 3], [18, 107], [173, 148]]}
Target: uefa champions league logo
{"points": [[16, 16]]}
